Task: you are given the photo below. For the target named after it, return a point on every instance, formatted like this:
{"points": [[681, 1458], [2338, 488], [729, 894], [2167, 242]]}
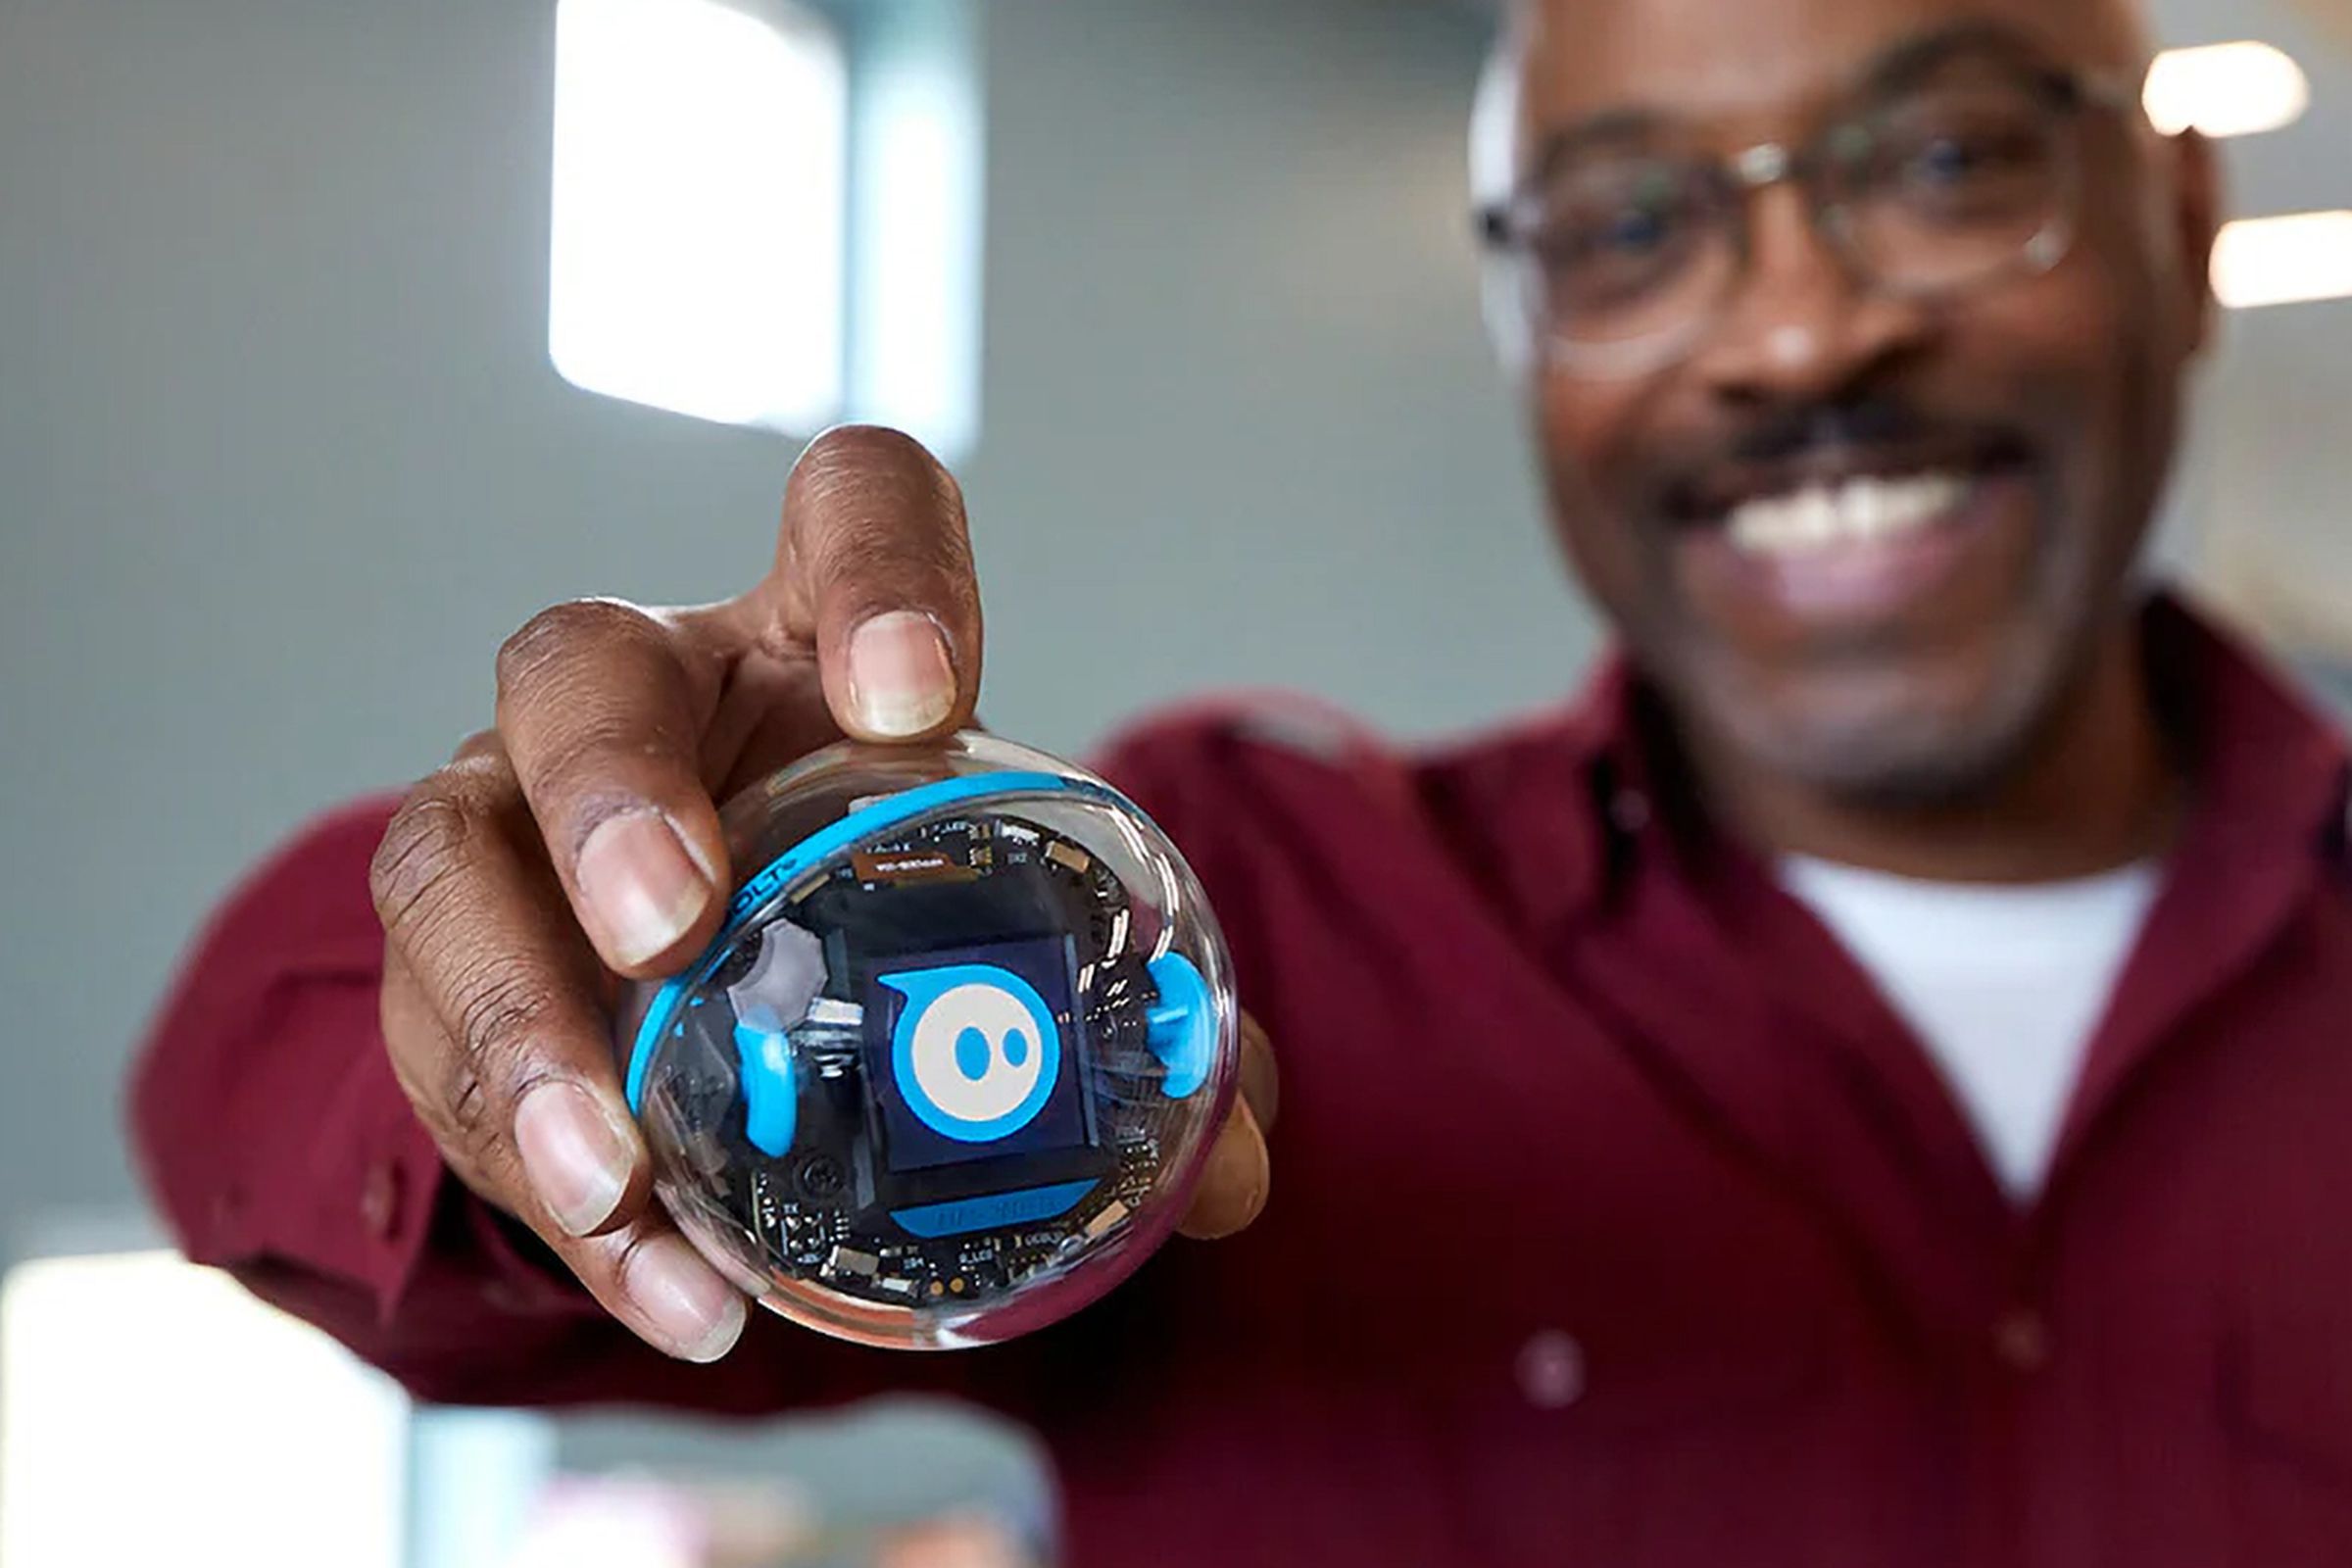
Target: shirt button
{"points": [[2021, 1341], [1551, 1370], [1629, 810], [507, 1296], [379, 1199]]}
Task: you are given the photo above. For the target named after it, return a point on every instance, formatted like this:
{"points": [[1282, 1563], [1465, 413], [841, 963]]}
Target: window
{"points": [[700, 210], [914, 336], [768, 213]]}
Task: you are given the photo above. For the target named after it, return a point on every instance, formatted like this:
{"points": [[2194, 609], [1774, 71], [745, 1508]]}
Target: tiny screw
{"points": [[821, 1176]]}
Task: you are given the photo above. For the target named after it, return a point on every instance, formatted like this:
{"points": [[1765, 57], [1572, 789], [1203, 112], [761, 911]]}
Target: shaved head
{"points": [[2113, 35], [1716, 362]]}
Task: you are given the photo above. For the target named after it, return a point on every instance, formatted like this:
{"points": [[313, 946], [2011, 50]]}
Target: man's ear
{"points": [[2196, 218]]}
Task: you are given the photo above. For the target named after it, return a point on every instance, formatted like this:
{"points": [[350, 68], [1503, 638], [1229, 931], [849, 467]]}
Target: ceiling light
{"points": [[2225, 90], [2282, 260]]}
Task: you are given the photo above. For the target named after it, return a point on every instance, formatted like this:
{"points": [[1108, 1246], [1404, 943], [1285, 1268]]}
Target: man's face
{"points": [[1867, 536]]}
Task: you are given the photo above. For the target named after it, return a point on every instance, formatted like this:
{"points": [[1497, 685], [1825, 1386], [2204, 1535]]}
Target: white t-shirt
{"points": [[2005, 986]]}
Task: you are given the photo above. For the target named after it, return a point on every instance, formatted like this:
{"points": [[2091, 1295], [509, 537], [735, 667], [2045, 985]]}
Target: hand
{"points": [[577, 843]]}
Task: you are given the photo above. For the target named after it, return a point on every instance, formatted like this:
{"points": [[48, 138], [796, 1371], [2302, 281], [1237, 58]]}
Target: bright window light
{"points": [[153, 1412], [700, 209], [916, 223], [2283, 260], [2225, 90], [614, 1525]]}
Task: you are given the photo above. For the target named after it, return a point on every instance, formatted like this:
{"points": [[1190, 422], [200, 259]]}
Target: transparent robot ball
{"points": [[952, 1064]]}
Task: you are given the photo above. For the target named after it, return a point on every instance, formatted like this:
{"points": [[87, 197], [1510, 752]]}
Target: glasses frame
{"points": [[1509, 230]]}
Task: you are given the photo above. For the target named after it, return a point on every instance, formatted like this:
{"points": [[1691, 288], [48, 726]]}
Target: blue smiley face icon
{"points": [[975, 1053]]}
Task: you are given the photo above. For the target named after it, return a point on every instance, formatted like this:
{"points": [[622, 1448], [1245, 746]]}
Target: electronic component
{"points": [[950, 1067]]}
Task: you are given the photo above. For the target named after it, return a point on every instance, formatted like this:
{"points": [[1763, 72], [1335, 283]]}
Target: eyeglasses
{"points": [[1964, 175]]}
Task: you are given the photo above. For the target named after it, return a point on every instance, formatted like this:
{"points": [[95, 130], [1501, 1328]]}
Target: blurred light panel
{"points": [[916, 232], [613, 1524], [2225, 90], [153, 1412], [2283, 260], [476, 1481], [699, 227]]}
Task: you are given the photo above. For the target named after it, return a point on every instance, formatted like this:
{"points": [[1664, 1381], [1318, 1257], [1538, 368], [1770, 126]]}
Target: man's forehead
{"points": [[1734, 59]]}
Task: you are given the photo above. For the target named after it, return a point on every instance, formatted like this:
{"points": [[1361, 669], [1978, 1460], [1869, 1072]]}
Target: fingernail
{"points": [[1238, 1164], [1261, 1177], [644, 890], [899, 678], [683, 1300], [576, 1160]]}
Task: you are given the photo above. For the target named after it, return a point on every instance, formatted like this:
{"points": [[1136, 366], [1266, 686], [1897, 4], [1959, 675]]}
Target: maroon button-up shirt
{"points": [[1616, 1218]]}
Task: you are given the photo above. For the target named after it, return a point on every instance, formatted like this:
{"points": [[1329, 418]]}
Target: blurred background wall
{"points": [[282, 457], [2268, 503]]}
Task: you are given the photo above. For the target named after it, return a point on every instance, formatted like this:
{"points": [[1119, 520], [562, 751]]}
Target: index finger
{"points": [[874, 576], [600, 707]]}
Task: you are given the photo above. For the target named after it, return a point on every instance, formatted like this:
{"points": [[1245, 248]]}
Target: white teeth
{"points": [[1860, 510]]}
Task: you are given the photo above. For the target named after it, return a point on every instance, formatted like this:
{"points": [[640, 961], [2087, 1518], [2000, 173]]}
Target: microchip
{"points": [[849, 1261], [910, 866], [1069, 855]]}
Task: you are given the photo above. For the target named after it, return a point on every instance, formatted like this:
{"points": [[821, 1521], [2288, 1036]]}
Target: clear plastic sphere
{"points": [[950, 1069]]}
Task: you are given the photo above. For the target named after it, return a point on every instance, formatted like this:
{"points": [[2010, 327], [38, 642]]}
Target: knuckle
{"points": [[466, 1105], [552, 638], [483, 746], [446, 1096], [878, 560], [416, 1072], [448, 1107], [432, 839], [501, 1013], [579, 758], [881, 506], [848, 450]]}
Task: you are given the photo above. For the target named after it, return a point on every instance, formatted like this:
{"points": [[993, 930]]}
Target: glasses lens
{"points": [[1958, 181], [1627, 248]]}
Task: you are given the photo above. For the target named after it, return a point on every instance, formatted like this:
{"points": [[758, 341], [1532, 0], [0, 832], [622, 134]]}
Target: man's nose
{"points": [[1803, 326]]}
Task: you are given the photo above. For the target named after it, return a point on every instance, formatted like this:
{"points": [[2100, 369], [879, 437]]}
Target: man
{"points": [[1865, 1086]]}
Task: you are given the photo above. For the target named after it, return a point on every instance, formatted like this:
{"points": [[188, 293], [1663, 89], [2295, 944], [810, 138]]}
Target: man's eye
{"points": [[1957, 157], [1632, 233], [1635, 230]]}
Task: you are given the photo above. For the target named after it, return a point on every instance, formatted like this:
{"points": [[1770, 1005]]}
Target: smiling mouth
{"points": [[1829, 515], [1836, 492], [1853, 535]]}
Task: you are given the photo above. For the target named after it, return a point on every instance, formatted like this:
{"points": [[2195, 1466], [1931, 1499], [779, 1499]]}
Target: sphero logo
{"points": [[976, 1053]]}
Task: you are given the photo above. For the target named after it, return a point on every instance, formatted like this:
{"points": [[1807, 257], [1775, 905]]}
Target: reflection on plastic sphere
{"points": [[949, 1069]]}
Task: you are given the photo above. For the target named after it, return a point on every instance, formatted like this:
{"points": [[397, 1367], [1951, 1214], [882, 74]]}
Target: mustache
{"points": [[1871, 421], [1875, 421]]}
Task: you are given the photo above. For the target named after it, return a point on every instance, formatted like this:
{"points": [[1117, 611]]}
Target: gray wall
{"points": [[2269, 496], [281, 457]]}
